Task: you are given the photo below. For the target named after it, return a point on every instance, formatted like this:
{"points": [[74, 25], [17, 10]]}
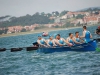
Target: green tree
{"points": [[68, 24], [57, 13], [23, 30], [79, 16], [52, 21], [1, 31], [37, 13], [63, 13], [43, 13], [26, 20], [49, 15]]}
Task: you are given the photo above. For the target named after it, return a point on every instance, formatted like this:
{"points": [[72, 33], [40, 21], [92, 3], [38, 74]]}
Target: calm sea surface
{"points": [[33, 63]]}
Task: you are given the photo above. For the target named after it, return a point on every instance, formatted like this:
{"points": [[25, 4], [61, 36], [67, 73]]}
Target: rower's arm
{"points": [[58, 43], [67, 41], [75, 41], [39, 42], [47, 43], [83, 35], [90, 35], [82, 41], [54, 43]]}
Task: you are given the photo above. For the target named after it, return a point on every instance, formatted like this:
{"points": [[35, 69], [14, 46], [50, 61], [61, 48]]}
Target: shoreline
{"points": [[40, 30]]}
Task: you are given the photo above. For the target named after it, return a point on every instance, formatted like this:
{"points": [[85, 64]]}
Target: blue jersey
{"points": [[42, 41], [70, 40], [50, 43], [87, 36], [77, 39], [61, 41]]}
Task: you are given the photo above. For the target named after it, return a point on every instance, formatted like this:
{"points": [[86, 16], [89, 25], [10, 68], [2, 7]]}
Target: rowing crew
{"points": [[70, 41]]}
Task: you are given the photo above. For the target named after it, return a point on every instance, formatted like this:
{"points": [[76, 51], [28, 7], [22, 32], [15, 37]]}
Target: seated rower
{"points": [[41, 41], [50, 41], [98, 30], [59, 41], [76, 38], [86, 34], [69, 40]]}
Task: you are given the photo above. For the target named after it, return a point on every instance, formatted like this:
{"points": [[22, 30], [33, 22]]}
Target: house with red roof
{"points": [[92, 19]]}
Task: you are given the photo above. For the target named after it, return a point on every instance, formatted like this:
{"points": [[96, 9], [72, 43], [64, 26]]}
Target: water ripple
{"points": [[33, 63]]}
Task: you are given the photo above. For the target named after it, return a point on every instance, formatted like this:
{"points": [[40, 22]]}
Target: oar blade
{"points": [[16, 49], [31, 48], [2, 49], [98, 49]]}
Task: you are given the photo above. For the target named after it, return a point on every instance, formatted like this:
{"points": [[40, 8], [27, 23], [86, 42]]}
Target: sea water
{"points": [[58, 63]]}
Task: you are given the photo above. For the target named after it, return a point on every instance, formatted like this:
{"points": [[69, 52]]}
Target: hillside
{"points": [[90, 9], [25, 20], [37, 18]]}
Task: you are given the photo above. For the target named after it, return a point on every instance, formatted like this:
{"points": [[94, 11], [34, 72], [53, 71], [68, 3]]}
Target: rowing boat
{"points": [[90, 46]]}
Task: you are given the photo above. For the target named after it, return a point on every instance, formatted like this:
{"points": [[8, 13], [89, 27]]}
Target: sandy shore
{"points": [[38, 31]]}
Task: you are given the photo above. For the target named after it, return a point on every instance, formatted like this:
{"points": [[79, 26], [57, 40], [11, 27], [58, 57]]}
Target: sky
{"points": [[22, 7]]}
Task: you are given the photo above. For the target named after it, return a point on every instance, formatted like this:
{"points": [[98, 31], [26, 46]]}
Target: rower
{"points": [[86, 34], [45, 34], [98, 30], [76, 39], [69, 40], [50, 41], [41, 41], [60, 41]]}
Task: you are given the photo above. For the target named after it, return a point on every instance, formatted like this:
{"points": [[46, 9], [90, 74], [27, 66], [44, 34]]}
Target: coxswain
{"points": [[86, 34]]}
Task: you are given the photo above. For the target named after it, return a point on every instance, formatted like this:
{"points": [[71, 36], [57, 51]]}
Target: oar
{"points": [[2, 49], [35, 47], [16, 49], [97, 39], [32, 48], [97, 49], [19, 49], [27, 48]]}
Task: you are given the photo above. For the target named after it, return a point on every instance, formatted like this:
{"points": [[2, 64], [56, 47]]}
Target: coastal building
{"points": [[78, 21], [60, 20], [64, 17], [91, 19], [52, 17], [71, 14], [14, 29], [57, 20]]}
